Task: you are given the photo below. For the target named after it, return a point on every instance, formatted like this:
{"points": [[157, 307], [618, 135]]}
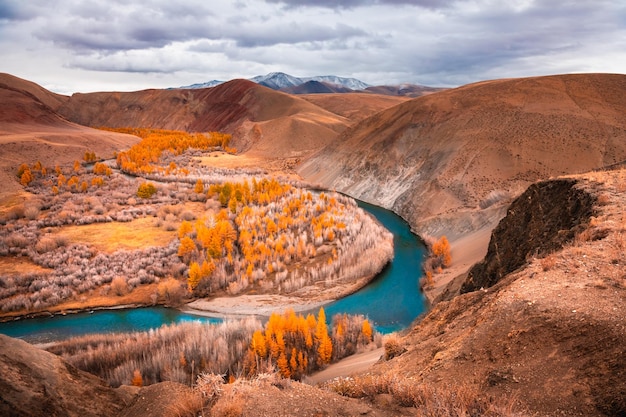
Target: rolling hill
{"points": [[541, 318], [258, 117], [450, 162], [31, 130]]}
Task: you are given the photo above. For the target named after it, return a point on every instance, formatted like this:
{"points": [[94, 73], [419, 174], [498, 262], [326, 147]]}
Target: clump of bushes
{"points": [[146, 190]]}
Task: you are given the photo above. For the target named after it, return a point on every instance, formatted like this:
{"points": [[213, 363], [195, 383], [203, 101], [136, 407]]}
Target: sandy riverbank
{"points": [[305, 299], [465, 252], [249, 305]]}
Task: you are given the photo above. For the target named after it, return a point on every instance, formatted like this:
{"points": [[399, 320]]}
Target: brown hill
{"points": [[26, 101], [34, 382], [450, 162], [404, 90], [31, 130], [550, 334], [354, 106], [271, 123]]}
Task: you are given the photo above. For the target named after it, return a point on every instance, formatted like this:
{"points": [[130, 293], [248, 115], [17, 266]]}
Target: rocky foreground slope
{"points": [[550, 331]]}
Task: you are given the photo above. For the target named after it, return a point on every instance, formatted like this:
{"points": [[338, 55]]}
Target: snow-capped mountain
{"points": [[351, 83], [207, 84], [280, 80], [277, 80]]}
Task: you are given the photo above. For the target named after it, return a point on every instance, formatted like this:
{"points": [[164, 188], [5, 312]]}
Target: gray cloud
{"points": [[433, 42], [348, 4]]}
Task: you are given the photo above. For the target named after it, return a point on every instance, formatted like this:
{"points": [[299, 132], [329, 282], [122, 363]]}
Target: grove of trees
{"points": [[291, 344]]}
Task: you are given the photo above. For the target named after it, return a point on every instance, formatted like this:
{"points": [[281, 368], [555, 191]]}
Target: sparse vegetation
{"points": [[436, 402], [439, 257]]}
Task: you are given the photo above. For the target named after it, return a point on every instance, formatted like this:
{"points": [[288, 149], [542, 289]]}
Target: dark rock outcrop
{"points": [[544, 218]]}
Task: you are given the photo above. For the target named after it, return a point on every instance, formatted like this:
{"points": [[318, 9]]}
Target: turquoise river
{"points": [[391, 301]]}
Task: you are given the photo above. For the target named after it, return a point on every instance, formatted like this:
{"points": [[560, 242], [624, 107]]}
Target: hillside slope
{"points": [[35, 382], [354, 106], [31, 130], [451, 161], [551, 333]]}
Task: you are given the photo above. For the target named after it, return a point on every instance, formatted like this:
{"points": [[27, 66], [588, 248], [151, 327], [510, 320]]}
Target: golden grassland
{"points": [[18, 266], [110, 237]]}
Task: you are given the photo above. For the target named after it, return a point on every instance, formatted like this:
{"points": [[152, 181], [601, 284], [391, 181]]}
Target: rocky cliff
{"points": [[540, 221]]}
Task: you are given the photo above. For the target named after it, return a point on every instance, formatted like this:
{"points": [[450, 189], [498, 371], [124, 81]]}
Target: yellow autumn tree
{"points": [[137, 380], [366, 331], [325, 345], [186, 248], [195, 275], [199, 187], [283, 366], [258, 344], [26, 178], [441, 251], [184, 229]]}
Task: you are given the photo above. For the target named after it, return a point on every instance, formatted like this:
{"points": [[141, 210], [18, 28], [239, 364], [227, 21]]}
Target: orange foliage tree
{"points": [[146, 190], [143, 157], [298, 345], [441, 252]]}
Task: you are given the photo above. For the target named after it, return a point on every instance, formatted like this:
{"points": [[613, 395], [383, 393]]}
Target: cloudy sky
{"points": [[122, 45]]}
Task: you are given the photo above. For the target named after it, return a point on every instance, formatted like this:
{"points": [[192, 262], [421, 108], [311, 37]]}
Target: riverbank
{"points": [[306, 299], [465, 252]]}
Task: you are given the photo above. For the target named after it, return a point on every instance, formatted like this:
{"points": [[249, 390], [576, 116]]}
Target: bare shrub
{"points": [[210, 385], [187, 215], [60, 240], [188, 404], [46, 244], [119, 286], [172, 292], [427, 401], [548, 262], [16, 240], [228, 407], [31, 212], [393, 346]]}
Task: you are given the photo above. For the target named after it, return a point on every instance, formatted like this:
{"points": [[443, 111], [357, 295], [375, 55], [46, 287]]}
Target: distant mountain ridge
{"points": [[280, 80]]}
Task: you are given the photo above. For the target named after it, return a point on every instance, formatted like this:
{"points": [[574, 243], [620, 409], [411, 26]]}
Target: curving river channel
{"points": [[392, 301]]}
